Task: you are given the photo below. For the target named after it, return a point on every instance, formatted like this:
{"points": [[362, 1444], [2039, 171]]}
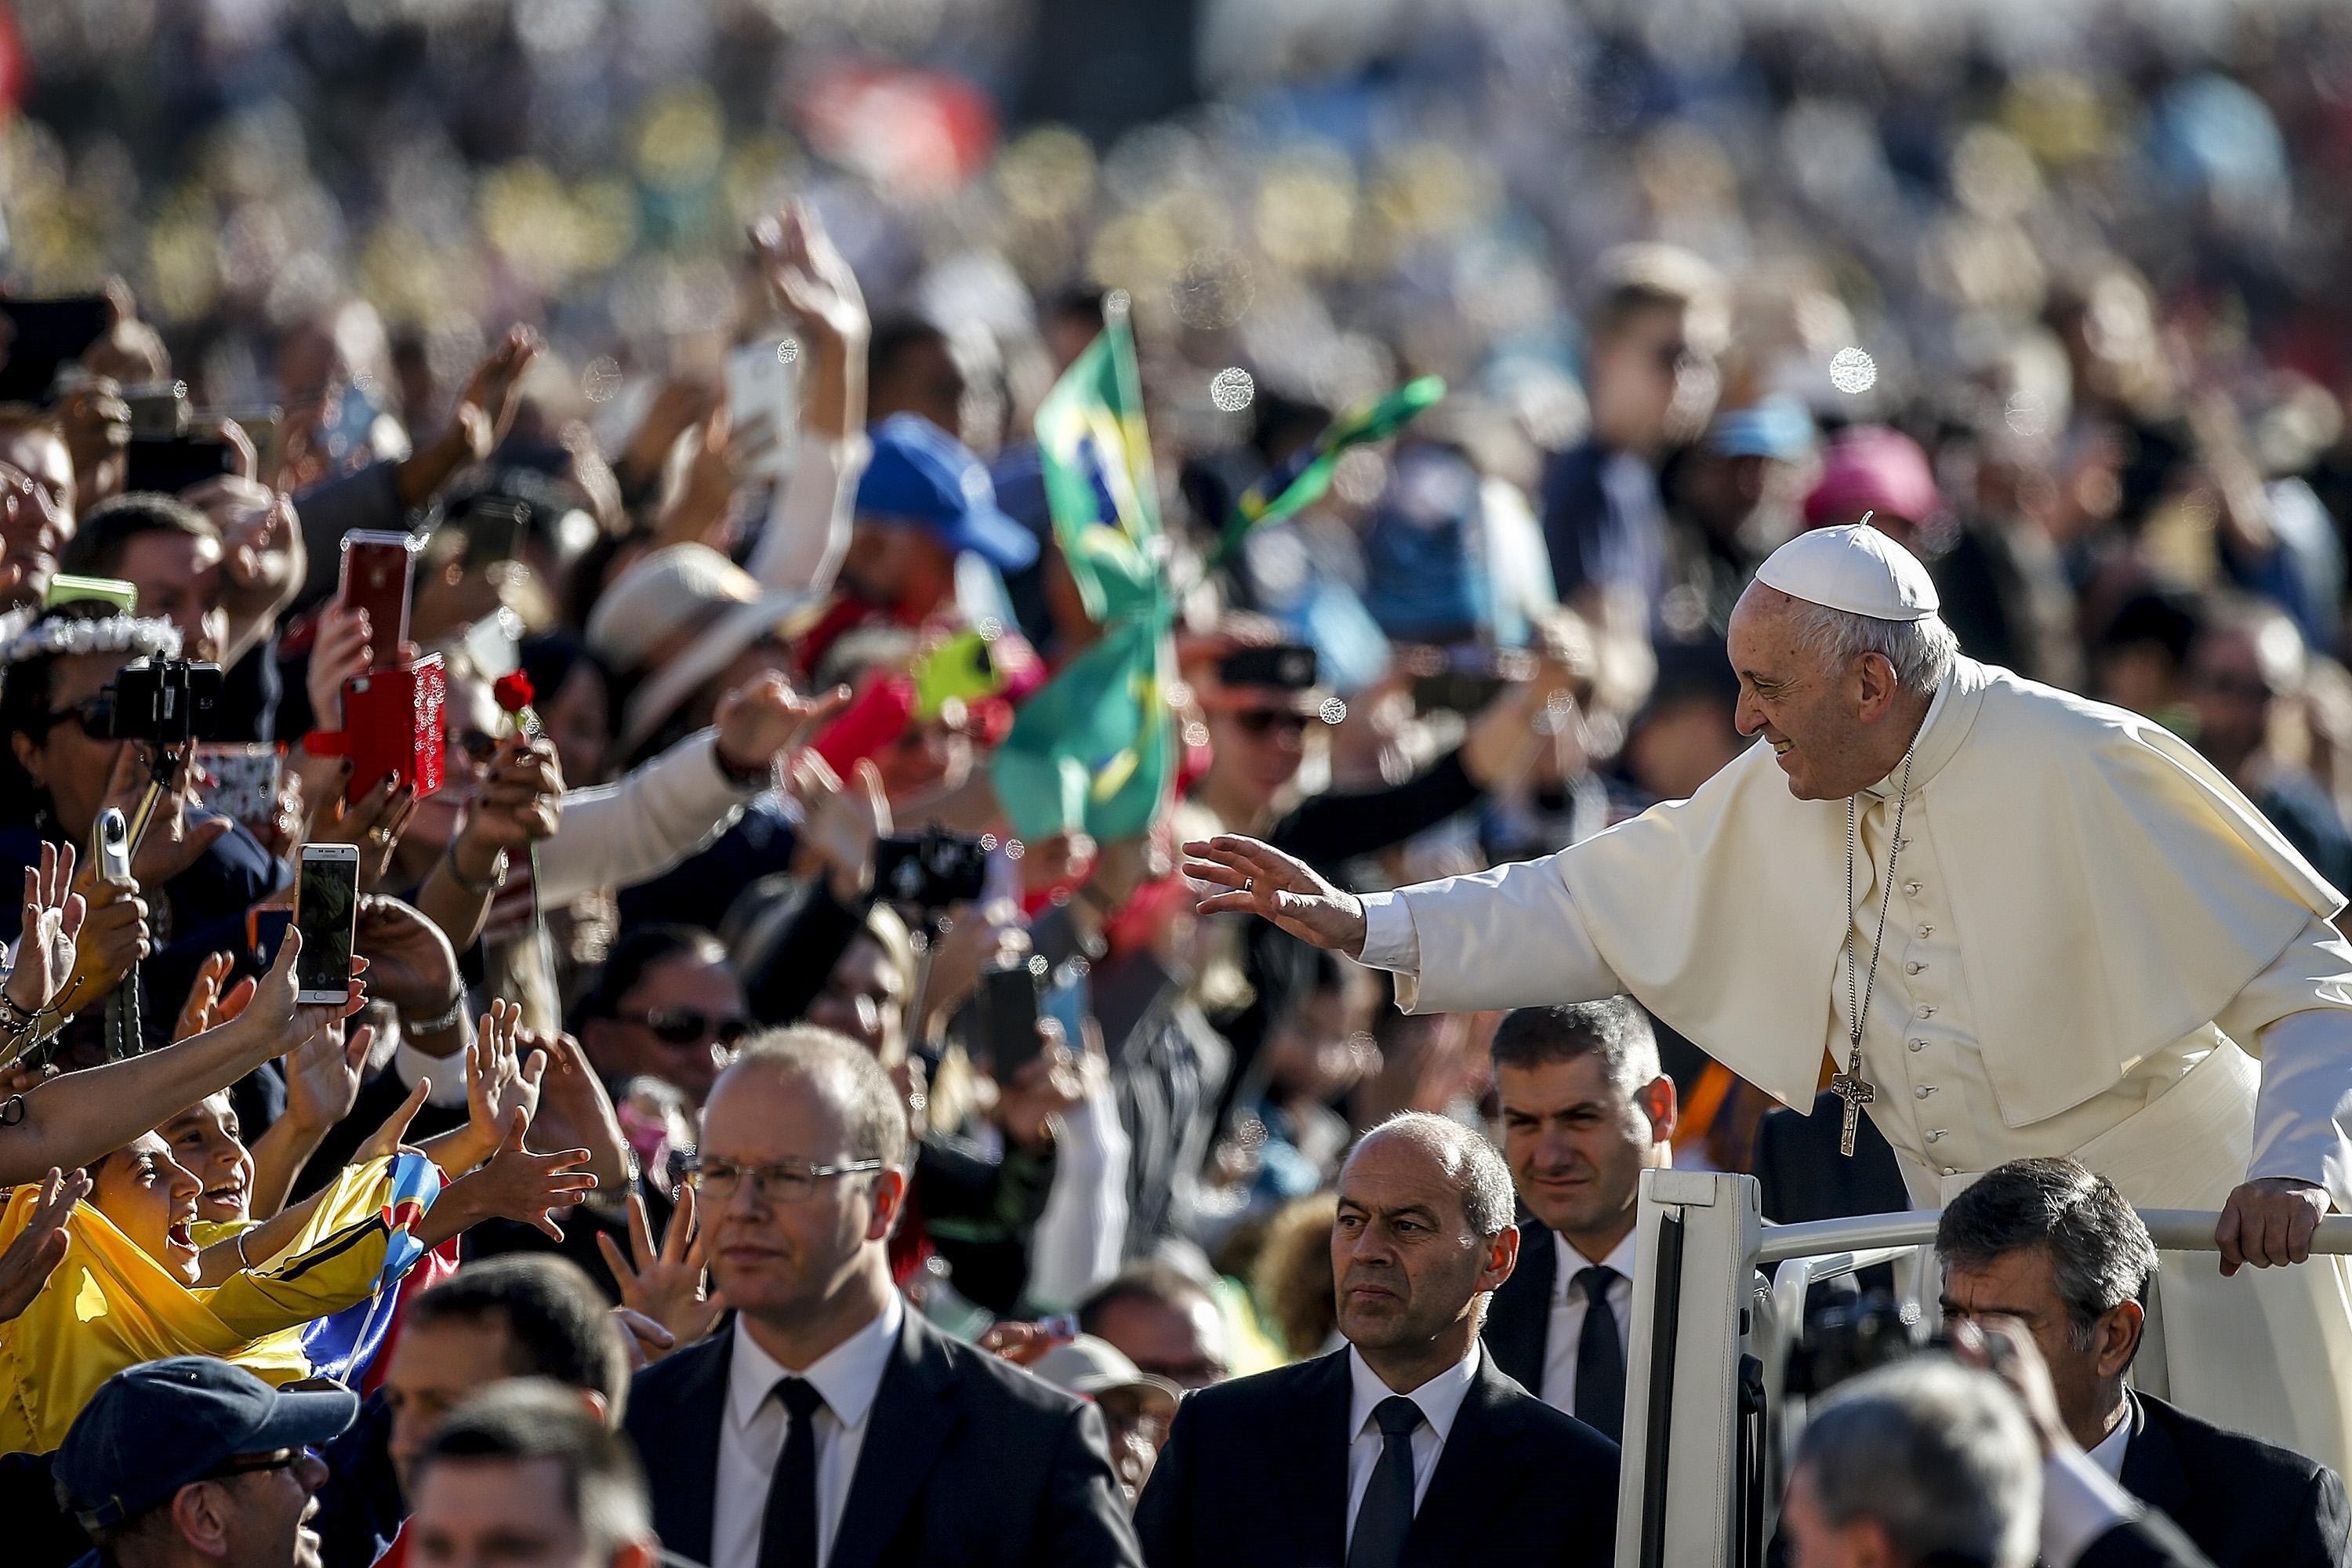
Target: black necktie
{"points": [[788, 1529], [1386, 1515], [1600, 1358]]}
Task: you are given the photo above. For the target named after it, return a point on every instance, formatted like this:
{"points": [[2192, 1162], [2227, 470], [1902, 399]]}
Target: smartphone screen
{"points": [[1008, 1018], [175, 463], [43, 334], [378, 569], [326, 912]]}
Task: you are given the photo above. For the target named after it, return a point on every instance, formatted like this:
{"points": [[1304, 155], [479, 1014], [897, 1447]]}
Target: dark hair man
{"points": [[1585, 1111], [2048, 1243], [1410, 1443], [524, 1477]]}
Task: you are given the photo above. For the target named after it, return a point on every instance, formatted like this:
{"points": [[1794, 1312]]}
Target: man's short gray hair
{"points": [[1939, 1456], [1921, 651], [2101, 1253], [868, 1102], [1469, 1161]]}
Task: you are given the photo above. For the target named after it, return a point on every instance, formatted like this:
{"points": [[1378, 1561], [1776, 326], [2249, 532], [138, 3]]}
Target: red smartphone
{"points": [[874, 717], [379, 571], [392, 722]]}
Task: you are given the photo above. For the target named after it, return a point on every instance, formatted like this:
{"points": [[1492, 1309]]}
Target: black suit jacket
{"points": [[967, 1459], [1255, 1471], [2244, 1503], [1803, 1177], [2151, 1541]]}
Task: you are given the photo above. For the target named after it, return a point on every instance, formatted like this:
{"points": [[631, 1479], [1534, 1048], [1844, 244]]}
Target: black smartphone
{"points": [[43, 335], [327, 913], [930, 871], [493, 526], [175, 463], [265, 933], [1008, 1017]]}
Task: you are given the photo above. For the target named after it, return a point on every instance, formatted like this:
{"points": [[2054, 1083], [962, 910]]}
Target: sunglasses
{"points": [[95, 714], [692, 1027], [479, 749], [1266, 720], [283, 1459]]}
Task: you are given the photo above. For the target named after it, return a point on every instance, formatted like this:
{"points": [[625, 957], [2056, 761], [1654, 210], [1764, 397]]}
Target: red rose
{"points": [[513, 692]]}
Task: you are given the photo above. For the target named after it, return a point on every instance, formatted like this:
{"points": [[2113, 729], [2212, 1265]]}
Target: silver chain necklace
{"points": [[1850, 1086]]}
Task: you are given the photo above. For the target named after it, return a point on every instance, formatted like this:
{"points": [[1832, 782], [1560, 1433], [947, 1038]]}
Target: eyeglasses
{"points": [[1266, 720], [95, 714], [479, 749], [788, 1182], [283, 1459], [691, 1025]]}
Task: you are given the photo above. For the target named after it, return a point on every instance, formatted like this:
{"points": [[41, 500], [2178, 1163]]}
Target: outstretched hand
{"points": [[1266, 882], [665, 1282], [40, 1246], [518, 1184], [52, 920]]}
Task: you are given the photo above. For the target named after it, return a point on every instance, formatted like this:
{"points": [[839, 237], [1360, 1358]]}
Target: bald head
{"points": [[1458, 1156], [838, 1072]]}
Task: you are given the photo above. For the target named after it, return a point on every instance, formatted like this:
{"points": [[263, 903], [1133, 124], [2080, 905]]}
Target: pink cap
{"points": [[1872, 468]]}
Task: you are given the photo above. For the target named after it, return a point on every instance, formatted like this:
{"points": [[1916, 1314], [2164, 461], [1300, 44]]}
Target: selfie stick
{"points": [[122, 1036]]}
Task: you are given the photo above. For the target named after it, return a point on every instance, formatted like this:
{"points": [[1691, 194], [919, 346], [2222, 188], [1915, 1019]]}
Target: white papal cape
{"points": [[2092, 939]]}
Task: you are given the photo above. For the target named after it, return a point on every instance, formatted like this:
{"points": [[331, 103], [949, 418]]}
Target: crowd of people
{"points": [[743, 1138]]}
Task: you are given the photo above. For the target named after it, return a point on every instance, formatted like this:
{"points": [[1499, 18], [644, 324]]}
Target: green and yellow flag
{"points": [[1094, 750]]}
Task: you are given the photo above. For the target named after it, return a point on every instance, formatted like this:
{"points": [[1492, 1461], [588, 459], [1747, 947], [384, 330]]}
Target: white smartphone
{"points": [[326, 912]]}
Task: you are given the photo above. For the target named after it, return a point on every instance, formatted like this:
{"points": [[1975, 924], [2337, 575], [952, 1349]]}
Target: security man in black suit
{"points": [[2048, 1243], [1410, 1447], [828, 1423]]}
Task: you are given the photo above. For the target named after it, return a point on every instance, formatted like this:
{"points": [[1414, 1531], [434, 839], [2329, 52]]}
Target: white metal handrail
{"points": [[2174, 1230]]}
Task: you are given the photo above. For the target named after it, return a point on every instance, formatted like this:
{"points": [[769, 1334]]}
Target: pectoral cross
{"points": [[1857, 1091]]}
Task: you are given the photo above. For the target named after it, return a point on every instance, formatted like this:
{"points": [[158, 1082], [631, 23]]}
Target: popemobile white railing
{"points": [[1707, 1414]]}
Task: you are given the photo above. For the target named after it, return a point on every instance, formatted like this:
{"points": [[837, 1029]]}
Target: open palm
{"points": [[53, 917]]}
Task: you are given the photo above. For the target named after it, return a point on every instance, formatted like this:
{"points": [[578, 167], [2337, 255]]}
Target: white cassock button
{"points": [[1918, 1045], [1925, 1089], [1911, 889], [1914, 967], [1927, 1012], [1926, 931], [1936, 1134], [1951, 1170]]}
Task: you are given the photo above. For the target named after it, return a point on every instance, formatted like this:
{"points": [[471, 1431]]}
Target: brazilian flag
{"points": [[1094, 750]]}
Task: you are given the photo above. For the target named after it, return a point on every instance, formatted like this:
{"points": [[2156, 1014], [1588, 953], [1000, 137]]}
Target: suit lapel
{"points": [[1474, 1468], [691, 1444], [2152, 1471], [1518, 1318], [1316, 1505], [914, 1412]]}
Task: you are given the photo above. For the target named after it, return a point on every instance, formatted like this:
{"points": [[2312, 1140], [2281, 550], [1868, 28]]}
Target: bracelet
{"points": [[242, 1260], [498, 872], [758, 776], [13, 1016], [419, 1028]]}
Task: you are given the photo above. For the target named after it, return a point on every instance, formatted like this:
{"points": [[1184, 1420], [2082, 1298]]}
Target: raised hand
{"points": [[808, 277], [40, 1246], [665, 1283], [410, 962], [373, 824], [110, 941], [500, 1084], [486, 407], [174, 841], [1042, 1088], [574, 1109], [340, 650], [521, 801], [1268, 883], [840, 826], [764, 718], [385, 1140], [647, 1340], [516, 1184], [274, 1015], [206, 1006], [52, 921], [324, 1075]]}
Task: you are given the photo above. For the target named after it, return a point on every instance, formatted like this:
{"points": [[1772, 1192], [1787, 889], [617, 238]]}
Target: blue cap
{"points": [[924, 475], [1775, 426], [151, 1429]]}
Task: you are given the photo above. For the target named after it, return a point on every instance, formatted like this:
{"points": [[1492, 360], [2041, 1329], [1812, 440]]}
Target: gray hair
{"points": [[1937, 1455], [846, 1073], [1617, 1031], [1921, 651], [1468, 1160], [2100, 1252]]}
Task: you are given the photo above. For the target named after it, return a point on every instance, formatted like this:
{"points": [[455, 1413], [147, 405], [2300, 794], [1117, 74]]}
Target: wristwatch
{"points": [[421, 1029]]}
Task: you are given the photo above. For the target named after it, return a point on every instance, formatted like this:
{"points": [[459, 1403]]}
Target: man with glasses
{"points": [[193, 1461], [829, 1424]]}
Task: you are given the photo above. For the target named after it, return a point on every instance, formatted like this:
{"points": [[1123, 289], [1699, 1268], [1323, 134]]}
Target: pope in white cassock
{"points": [[2063, 932]]}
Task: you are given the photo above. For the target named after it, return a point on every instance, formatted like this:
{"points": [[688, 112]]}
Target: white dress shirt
{"points": [[752, 1431], [1440, 1400], [2080, 1503], [1565, 1334], [2109, 1455]]}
